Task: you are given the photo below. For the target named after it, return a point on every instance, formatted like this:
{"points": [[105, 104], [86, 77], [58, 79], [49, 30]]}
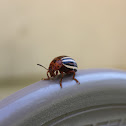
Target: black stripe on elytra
{"points": [[70, 63]]}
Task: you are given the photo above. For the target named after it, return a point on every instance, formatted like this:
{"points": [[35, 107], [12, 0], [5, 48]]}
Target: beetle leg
{"points": [[75, 78], [61, 79], [56, 72], [47, 76]]}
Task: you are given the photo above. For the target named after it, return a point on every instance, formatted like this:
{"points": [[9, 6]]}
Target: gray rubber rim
{"points": [[99, 100]]}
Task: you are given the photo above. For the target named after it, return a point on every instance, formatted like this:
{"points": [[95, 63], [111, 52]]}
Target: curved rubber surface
{"points": [[99, 100]]}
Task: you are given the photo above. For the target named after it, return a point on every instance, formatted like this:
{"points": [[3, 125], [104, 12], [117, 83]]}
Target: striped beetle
{"points": [[63, 64]]}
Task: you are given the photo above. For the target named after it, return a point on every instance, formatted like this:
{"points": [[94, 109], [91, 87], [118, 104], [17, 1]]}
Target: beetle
{"points": [[63, 64]]}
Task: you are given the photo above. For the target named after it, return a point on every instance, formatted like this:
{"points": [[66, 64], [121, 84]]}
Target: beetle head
{"points": [[51, 71]]}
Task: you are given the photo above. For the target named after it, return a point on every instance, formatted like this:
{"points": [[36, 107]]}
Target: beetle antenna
{"points": [[42, 66]]}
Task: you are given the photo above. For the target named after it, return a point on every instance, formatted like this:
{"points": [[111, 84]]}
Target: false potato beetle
{"points": [[63, 64]]}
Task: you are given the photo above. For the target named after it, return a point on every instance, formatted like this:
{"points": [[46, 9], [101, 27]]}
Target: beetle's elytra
{"points": [[63, 64]]}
